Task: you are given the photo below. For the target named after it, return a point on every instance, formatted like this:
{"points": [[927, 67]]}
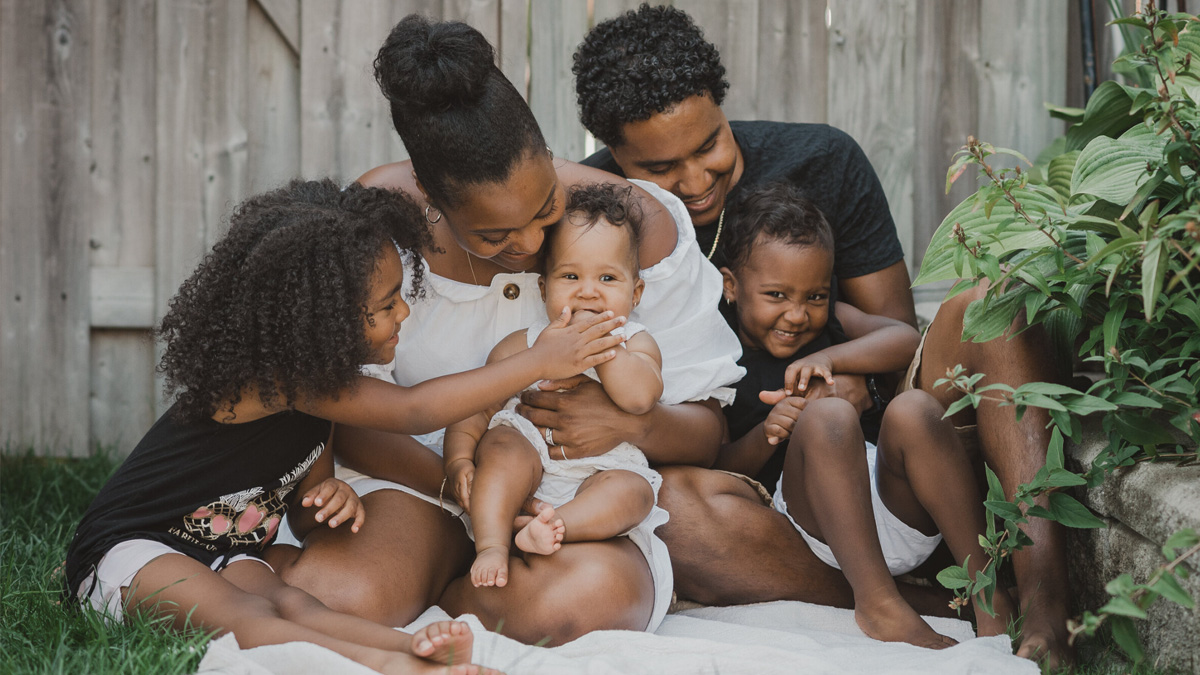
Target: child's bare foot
{"points": [[490, 567], [542, 535], [444, 642], [1005, 610], [1044, 633], [893, 620]]}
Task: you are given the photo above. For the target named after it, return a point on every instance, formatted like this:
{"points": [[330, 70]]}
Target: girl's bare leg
{"points": [[926, 480], [193, 595], [507, 471], [401, 560], [554, 599], [607, 504], [827, 487]]}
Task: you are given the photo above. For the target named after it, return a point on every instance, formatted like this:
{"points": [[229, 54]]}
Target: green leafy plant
{"points": [[1098, 243]]}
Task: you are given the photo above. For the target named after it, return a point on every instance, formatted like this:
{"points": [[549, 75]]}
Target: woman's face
{"points": [[506, 221], [687, 150]]}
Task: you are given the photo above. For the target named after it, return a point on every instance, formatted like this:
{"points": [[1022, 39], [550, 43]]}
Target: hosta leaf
{"points": [[1107, 114], [1113, 169], [1059, 171]]}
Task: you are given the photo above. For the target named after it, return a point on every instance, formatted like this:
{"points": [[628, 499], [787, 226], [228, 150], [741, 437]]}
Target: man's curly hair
{"points": [[640, 63], [277, 306], [587, 203]]}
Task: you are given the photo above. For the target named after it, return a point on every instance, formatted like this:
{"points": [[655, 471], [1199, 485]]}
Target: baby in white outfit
{"points": [[497, 460]]}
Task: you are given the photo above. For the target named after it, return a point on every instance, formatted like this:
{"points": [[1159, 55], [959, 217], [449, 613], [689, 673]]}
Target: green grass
{"points": [[41, 500]]}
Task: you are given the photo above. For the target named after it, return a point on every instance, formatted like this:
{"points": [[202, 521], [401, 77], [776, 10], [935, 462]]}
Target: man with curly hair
{"points": [[650, 87]]}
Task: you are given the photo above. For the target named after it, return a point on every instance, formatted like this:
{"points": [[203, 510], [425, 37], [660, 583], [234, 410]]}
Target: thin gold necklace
{"points": [[717, 239], [472, 267]]}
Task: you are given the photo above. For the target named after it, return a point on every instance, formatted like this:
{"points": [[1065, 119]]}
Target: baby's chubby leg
{"points": [[607, 504], [507, 470]]}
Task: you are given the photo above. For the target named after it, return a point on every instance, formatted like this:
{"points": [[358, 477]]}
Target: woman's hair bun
{"points": [[429, 67]]}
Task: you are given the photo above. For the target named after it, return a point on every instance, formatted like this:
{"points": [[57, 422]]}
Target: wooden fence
{"points": [[129, 128]]}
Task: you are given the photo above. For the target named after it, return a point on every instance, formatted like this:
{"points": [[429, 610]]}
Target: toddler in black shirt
{"points": [[872, 512]]}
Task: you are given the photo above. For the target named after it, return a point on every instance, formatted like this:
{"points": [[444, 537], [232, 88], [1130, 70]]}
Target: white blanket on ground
{"points": [[774, 637]]}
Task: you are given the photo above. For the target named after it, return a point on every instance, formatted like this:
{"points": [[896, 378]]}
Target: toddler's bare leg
{"points": [[828, 491], [507, 470], [193, 595], [926, 480]]}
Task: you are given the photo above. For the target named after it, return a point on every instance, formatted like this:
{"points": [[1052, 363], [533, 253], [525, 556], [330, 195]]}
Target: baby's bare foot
{"points": [[542, 535], [444, 642], [490, 567], [893, 620]]}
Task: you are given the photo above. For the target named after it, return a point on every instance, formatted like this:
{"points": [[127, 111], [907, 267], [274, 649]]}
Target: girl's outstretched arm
{"points": [[561, 351], [877, 344]]}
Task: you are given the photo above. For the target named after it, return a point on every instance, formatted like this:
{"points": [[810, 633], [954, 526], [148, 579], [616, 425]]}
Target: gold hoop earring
{"points": [[432, 220]]}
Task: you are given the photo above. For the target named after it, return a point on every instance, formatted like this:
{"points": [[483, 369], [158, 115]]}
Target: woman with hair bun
{"points": [[489, 188]]}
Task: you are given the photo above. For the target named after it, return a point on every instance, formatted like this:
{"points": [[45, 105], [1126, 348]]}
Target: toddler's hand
{"points": [[782, 418], [568, 348], [338, 504], [461, 475], [797, 375]]}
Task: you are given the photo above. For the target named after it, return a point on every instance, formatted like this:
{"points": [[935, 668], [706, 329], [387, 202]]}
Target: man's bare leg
{"points": [[1015, 451]]}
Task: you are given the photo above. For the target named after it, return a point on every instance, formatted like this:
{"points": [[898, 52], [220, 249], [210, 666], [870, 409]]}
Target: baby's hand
{"points": [[568, 348], [338, 503], [782, 418], [461, 475], [795, 378]]}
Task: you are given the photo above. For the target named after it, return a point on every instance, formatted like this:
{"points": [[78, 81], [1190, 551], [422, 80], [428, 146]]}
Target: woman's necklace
{"points": [[717, 239], [472, 267]]}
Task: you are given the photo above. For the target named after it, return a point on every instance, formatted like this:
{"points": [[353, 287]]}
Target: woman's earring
{"points": [[549, 152], [428, 208]]}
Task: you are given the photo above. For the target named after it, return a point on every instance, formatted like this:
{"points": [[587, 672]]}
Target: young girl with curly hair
{"points": [[264, 345]]}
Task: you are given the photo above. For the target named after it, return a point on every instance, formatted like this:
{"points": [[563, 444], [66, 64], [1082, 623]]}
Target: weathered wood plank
{"points": [[733, 27], [44, 197], [793, 61], [557, 29], [482, 15], [123, 391], [122, 297], [272, 104], [947, 110], [607, 9], [1022, 51], [201, 135], [872, 84], [285, 15], [514, 43], [345, 122]]}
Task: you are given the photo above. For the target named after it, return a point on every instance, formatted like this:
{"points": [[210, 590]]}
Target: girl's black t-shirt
{"points": [[206, 489]]}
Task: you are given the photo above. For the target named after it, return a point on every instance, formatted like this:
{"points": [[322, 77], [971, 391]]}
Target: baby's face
{"points": [[590, 270], [782, 296]]}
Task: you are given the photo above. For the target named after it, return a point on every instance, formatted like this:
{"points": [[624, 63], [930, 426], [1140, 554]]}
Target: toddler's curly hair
{"points": [[640, 63], [278, 304], [587, 203]]}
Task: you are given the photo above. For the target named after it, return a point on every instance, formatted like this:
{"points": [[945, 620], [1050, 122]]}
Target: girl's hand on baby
{"points": [[568, 348], [782, 418], [797, 375], [338, 504]]}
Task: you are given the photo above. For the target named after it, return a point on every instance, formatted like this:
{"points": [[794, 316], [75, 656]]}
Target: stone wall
{"points": [[1143, 506]]}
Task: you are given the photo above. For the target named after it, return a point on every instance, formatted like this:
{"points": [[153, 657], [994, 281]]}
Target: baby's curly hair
{"points": [[587, 203], [641, 63], [278, 303], [780, 211]]}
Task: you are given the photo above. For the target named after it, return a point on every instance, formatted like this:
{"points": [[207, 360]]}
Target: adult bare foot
{"points": [[490, 567], [542, 535], [444, 642], [1044, 633], [893, 620], [1006, 615]]}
